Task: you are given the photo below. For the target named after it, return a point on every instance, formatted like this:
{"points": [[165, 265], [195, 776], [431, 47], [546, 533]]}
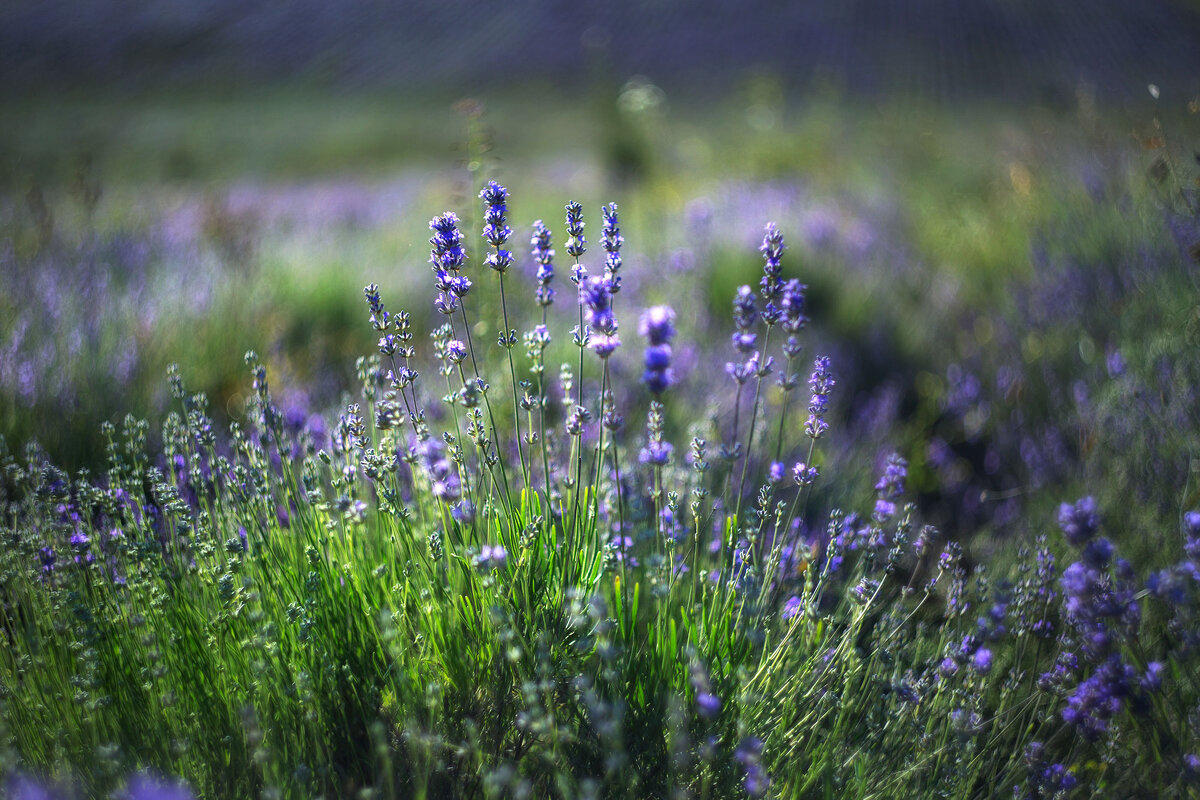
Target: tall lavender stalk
{"points": [[539, 339], [448, 258], [496, 231], [576, 247]]}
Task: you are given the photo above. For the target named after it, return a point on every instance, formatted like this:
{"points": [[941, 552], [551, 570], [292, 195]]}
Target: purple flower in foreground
{"points": [[576, 244], [749, 754], [495, 229], [597, 295], [146, 787], [23, 787], [447, 254], [772, 281]]}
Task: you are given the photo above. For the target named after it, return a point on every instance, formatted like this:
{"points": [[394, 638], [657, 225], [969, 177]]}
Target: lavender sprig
{"points": [[496, 231]]}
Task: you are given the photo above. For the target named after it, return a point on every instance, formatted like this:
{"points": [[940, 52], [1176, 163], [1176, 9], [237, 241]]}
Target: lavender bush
{"points": [[489, 578]]}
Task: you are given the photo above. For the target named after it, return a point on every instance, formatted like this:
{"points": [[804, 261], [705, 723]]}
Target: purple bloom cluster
{"points": [[612, 241], [448, 258], [576, 244], [890, 487], [441, 471], [745, 314], [1079, 520], [1094, 703], [1101, 601], [749, 754], [657, 324], [596, 295], [491, 557], [821, 383], [1045, 779], [495, 229], [772, 281], [543, 254], [708, 705]]}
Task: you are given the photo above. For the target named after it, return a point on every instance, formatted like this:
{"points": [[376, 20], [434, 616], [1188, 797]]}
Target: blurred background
{"points": [[990, 204]]}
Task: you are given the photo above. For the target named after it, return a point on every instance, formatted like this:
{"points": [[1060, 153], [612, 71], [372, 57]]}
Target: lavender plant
{"points": [[402, 606]]}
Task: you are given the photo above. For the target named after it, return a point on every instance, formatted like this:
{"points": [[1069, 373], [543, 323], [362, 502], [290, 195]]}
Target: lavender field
{"points": [[719, 418]]}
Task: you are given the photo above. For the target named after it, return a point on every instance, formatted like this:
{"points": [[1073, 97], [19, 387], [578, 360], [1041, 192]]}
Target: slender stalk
{"points": [[512, 373], [750, 436]]}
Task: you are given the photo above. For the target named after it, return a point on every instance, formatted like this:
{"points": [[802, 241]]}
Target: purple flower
{"points": [[821, 384], [791, 608], [612, 242], [596, 295], [1152, 680], [447, 254], [658, 325], [47, 558], [146, 787], [23, 787], [745, 314], [495, 229], [656, 453], [982, 661], [772, 281], [1094, 703], [604, 345], [805, 475], [441, 471], [890, 487], [708, 705], [791, 303], [543, 254], [576, 244], [1191, 529], [1079, 522], [456, 351], [749, 754], [491, 558]]}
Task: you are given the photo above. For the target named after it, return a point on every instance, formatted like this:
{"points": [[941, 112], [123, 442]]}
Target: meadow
{"points": [[836, 449]]}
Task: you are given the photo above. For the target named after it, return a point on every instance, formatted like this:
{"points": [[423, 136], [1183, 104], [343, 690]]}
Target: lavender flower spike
{"points": [[495, 229], [612, 247], [821, 384], [658, 325], [596, 295], [543, 254]]}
